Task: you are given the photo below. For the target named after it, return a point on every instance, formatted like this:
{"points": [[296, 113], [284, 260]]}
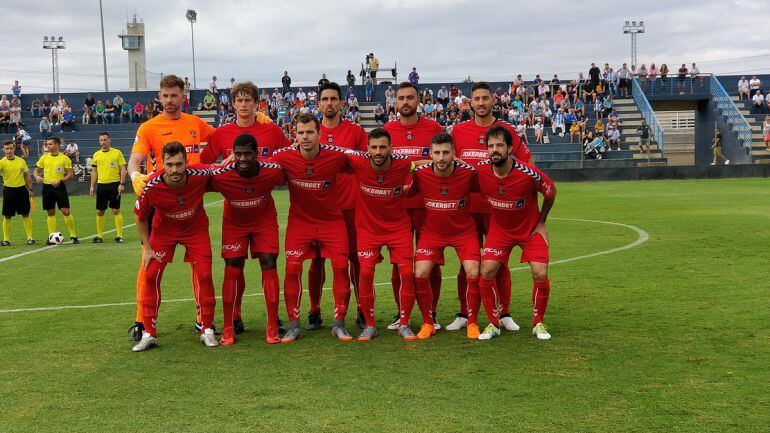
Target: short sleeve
{"points": [[67, 163], [546, 185], [142, 207], [40, 162], [121, 158], [205, 129], [141, 142]]}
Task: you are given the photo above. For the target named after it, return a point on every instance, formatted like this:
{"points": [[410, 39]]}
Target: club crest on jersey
{"points": [[180, 202], [501, 191], [330, 139], [193, 134], [444, 191], [249, 190], [309, 172], [481, 139], [380, 179]]}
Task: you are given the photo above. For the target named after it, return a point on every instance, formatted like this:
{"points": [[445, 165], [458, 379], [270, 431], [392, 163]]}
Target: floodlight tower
{"points": [[192, 17], [633, 29], [55, 43]]}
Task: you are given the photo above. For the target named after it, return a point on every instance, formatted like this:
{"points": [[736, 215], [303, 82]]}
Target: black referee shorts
{"points": [[107, 195], [53, 197], [15, 201]]}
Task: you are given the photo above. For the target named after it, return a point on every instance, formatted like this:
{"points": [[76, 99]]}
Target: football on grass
{"points": [[56, 238]]}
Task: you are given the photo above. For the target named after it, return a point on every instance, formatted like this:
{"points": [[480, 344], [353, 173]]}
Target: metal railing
{"points": [[726, 105], [647, 113]]}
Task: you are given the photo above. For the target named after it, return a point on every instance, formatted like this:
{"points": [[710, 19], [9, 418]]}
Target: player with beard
{"points": [[410, 136], [383, 222], [269, 137], [471, 148], [510, 186], [249, 224], [315, 225], [346, 135]]}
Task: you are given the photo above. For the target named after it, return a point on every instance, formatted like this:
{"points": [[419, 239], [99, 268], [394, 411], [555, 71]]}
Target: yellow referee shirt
{"points": [[13, 171], [54, 167], [108, 165]]}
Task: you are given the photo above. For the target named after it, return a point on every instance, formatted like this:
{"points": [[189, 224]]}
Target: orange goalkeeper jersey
{"points": [[152, 135]]}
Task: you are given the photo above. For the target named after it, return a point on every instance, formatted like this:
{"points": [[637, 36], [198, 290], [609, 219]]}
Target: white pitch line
{"points": [[643, 237], [48, 247]]}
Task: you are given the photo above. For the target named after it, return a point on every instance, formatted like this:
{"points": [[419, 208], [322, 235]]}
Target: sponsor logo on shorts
{"points": [[160, 254], [232, 247], [381, 192], [506, 204], [492, 252], [424, 252], [295, 253], [412, 151], [311, 184], [366, 254], [444, 205], [179, 216], [474, 153], [252, 202]]}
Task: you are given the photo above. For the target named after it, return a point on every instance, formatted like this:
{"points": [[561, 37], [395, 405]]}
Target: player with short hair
{"points": [[471, 148], [383, 222], [340, 133], [249, 225], [269, 138], [53, 170], [175, 196], [446, 184], [315, 223], [17, 192], [510, 186], [171, 125], [108, 176], [410, 136]]}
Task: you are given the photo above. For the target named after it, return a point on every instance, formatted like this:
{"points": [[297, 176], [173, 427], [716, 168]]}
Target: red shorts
{"points": [[303, 241], [349, 216], [416, 217], [400, 247], [498, 247], [431, 247], [261, 237], [197, 246], [481, 220]]}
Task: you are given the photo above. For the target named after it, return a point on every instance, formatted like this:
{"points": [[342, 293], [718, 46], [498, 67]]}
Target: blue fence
{"points": [[734, 117], [647, 113]]}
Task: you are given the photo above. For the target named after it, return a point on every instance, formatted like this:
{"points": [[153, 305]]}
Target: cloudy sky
{"points": [[447, 40]]}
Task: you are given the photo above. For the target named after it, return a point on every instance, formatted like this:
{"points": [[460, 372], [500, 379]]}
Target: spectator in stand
{"points": [[681, 78], [56, 112], [5, 121], [453, 93], [465, 109], [301, 95], [644, 138], [36, 109], [538, 128], [441, 120], [68, 119], [755, 84], [312, 96], [231, 84], [213, 85], [89, 101], [414, 77], [16, 89], [350, 78], [390, 103], [607, 106], [574, 133], [46, 105], [374, 66], [652, 76], [580, 109], [594, 73], [186, 88], [224, 98], [641, 74], [109, 112], [613, 138], [379, 114], [612, 82], [695, 73], [743, 88], [766, 132], [209, 101], [23, 141], [150, 110], [72, 151], [663, 75], [285, 82], [598, 111], [45, 128], [138, 112], [322, 82], [599, 127], [558, 123], [117, 101], [14, 116], [99, 112], [368, 88], [442, 96], [716, 148], [126, 113], [767, 102], [759, 103], [5, 104]]}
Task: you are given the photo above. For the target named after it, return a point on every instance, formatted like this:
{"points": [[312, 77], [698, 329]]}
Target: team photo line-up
{"points": [[351, 193]]}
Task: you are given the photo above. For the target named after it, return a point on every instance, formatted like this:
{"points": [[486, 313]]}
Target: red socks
{"points": [[341, 291], [395, 281], [151, 296], [366, 294], [270, 285], [541, 290], [353, 275], [316, 276], [424, 299], [406, 295], [206, 294], [462, 288], [473, 299], [239, 296], [230, 288], [292, 289], [490, 299], [503, 283], [435, 286]]}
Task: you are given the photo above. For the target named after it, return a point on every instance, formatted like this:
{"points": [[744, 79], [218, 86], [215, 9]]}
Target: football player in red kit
{"points": [[445, 185], [383, 222], [269, 138], [315, 224], [346, 135], [469, 140], [510, 186], [175, 194], [249, 225], [410, 136]]}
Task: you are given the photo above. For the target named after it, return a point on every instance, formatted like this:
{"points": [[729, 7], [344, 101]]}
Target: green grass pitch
{"points": [[669, 335]]}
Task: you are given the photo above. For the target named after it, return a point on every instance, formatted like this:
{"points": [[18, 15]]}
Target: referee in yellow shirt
{"points": [[17, 192], [108, 176], [56, 169]]}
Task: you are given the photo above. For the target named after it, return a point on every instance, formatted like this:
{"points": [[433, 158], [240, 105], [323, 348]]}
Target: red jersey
{"points": [[346, 135], [513, 198], [446, 198], [471, 148], [179, 212], [380, 209], [311, 182], [269, 139], [413, 141], [247, 199]]}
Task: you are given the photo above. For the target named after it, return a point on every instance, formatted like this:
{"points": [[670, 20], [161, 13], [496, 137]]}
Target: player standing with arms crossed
{"points": [[510, 187], [471, 148]]}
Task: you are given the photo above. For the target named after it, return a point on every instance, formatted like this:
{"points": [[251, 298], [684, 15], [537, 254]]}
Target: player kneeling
{"points": [[510, 187], [176, 196], [249, 223]]}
